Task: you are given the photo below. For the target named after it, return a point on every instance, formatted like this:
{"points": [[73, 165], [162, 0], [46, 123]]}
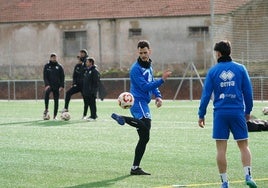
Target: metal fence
{"points": [[190, 88]]}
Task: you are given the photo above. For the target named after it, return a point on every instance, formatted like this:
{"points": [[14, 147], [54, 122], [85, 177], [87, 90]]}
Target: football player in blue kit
{"points": [[233, 102], [142, 87]]}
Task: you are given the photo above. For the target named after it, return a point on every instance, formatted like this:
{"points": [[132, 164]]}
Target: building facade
{"points": [[178, 35]]}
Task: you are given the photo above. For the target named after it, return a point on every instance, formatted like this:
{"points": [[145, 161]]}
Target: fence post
{"points": [[36, 94], [261, 88], [191, 88], [125, 84], [14, 90], [8, 88]]}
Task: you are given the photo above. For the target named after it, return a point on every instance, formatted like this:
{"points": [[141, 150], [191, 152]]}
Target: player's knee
{"points": [[68, 93], [147, 123], [144, 139], [147, 139]]}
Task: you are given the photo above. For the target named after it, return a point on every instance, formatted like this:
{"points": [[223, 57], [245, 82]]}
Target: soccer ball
{"points": [[125, 100], [65, 116], [265, 111]]}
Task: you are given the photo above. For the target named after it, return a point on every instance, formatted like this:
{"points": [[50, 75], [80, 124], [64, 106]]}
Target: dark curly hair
{"points": [[224, 47], [143, 44]]}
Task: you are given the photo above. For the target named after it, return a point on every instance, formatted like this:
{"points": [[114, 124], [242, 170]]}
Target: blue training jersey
{"points": [[142, 83], [231, 86]]}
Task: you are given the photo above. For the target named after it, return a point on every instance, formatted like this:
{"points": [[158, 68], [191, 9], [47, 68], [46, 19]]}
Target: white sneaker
{"points": [[90, 119], [46, 115], [64, 110], [84, 117]]}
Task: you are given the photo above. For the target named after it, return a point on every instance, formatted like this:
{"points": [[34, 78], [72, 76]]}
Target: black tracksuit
{"points": [[90, 89], [54, 77], [77, 86]]}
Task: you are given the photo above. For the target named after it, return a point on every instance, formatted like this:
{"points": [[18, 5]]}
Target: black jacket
{"points": [[53, 75], [78, 74], [102, 91], [91, 81], [84, 59]]}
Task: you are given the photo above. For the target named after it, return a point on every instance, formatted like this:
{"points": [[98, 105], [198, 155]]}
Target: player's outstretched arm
{"points": [[166, 74]]}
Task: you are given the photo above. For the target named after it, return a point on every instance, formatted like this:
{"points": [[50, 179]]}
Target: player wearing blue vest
{"points": [[142, 86], [233, 101]]}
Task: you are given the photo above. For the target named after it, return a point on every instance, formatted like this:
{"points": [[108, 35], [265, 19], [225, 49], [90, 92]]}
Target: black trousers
{"points": [[143, 128], [73, 90], [56, 95], [90, 101]]}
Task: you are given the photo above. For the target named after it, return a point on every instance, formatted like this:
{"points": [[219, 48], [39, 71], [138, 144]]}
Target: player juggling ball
{"points": [[142, 87]]}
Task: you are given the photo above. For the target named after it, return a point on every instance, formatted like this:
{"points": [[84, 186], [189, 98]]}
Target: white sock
{"points": [[224, 177], [247, 170], [134, 167]]}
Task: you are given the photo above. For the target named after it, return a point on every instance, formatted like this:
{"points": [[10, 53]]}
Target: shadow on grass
{"points": [[21, 122], [44, 123], [104, 183], [48, 123]]}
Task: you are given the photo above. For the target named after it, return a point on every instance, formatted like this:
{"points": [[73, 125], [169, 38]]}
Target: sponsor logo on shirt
{"points": [[227, 77], [231, 96]]}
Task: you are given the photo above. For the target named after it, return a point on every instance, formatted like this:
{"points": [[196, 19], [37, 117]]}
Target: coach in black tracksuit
{"points": [[54, 82], [78, 76], [90, 88]]}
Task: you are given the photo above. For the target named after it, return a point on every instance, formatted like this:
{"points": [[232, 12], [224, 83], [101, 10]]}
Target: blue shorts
{"points": [[140, 109], [223, 124]]}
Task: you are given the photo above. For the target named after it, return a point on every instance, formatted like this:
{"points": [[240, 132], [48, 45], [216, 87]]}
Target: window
{"points": [[198, 31], [73, 41], [134, 32]]}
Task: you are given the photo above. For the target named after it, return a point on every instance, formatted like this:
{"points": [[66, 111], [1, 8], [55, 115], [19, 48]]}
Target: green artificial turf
{"points": [[77, 153]]}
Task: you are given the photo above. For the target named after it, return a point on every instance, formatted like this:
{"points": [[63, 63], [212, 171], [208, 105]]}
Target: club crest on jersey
{"points": [[227, 77], [147, 74]]}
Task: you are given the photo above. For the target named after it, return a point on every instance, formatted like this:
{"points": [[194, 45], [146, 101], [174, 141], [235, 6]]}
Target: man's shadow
{"points": [[104, 183], [21, 122], [42, 123]]}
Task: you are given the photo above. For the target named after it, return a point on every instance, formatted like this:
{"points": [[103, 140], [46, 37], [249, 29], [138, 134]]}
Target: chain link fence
{"points": [[190, 88]]}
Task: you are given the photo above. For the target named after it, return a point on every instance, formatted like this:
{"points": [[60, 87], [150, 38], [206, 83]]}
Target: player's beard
{"points": [[145, 59], [144, 64]]}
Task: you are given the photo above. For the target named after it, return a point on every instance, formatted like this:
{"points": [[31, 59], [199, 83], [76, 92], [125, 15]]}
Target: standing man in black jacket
{"points": [[90, 89], [78, 76], [54, 82]]}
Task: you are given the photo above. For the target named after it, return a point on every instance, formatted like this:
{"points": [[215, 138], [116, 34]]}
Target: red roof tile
{"points": [[48, 10]]}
